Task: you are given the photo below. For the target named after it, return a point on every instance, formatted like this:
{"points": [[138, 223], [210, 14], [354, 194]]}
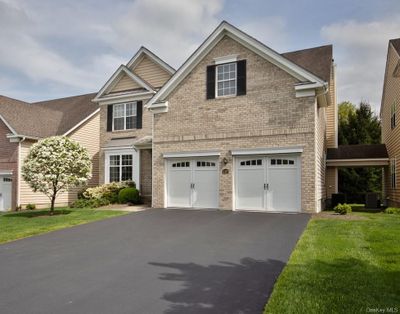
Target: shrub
{"points": [[129, 195], [30, 206], [338, 198], [392, 210], [107, 191], [90, 203], [342, 209]]}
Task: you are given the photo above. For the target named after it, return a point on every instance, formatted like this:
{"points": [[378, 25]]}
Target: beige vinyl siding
{"points": [[124, 84], [331, 113], [320, 163], [151, 72], [391, 137], [88, 136]]}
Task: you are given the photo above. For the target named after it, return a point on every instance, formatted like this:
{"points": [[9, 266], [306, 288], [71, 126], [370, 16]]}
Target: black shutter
{"points": [[139, 114], [109, 117], [211, 82], [241, 78]]}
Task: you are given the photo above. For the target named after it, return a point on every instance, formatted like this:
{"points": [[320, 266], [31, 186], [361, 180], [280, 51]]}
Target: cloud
{"points": [[173, 28], [360, 53]]}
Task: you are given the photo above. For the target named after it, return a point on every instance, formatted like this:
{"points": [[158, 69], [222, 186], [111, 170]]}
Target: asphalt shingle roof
{"points": [[46, 118], [362, 151]]}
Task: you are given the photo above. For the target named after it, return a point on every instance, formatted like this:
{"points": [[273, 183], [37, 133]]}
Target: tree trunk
{"points": [[53, 199]]}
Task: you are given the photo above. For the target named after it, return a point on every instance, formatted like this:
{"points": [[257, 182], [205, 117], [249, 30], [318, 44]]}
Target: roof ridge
{"points": [[19, 100], [66, 97]]}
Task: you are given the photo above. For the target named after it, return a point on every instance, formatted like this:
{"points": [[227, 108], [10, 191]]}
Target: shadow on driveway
{"points": [[223, 288]]}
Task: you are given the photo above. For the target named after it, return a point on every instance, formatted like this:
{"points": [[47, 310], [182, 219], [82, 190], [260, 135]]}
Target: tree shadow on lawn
{"points": [[223, 288], [39, 213]]}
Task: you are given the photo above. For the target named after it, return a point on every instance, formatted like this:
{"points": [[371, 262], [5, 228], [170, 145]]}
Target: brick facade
{"points": [[269, 115]]}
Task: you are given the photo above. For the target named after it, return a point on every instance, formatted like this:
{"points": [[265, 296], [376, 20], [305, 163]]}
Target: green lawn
{"points": [[17, 225], [342, 266]]}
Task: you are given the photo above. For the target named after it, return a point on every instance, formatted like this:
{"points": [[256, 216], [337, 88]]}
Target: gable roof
{"points": [[144, 51], [46, 118], [114, 79], [317, 60], [128, 70], [226, 29]]}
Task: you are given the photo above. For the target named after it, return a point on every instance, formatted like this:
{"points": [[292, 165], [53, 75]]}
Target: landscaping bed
{"points": [[345, 265]]}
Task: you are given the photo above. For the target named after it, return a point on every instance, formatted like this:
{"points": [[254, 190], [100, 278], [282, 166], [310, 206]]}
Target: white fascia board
{"points": [[161, 107], [192, 154], [268, 151], [124, 98], [7, 125], [152, 56], [17, 137], [117, 148], [137, 79], [226, 29], [82, 122]]}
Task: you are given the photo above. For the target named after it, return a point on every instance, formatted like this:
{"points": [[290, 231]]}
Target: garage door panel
{"points": [[205, 192], [179, 180], [283, 190], [193, 183], [268, 183], [5, 193], [250, 184]]}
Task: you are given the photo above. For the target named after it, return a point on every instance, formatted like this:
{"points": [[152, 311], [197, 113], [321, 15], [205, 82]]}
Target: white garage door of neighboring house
{"points": [[5, 192], [192, 182], [268, 183]]}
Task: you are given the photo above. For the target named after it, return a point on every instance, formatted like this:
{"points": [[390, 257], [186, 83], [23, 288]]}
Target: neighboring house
{"points": [[22, 124], [125, 126], [240, 126], [390, 107]]}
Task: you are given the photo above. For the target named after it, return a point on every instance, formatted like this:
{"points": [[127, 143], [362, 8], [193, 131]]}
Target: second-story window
{"points": [[226, 79], [124, 116], [393, 116]]}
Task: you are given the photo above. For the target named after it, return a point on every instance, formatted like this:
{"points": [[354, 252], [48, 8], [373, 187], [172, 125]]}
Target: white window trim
{"points": [[135, 160], [216, 80], [125, 116]]}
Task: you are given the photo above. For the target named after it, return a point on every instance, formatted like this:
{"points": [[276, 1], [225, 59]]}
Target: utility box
{"points": [[371, 200]]}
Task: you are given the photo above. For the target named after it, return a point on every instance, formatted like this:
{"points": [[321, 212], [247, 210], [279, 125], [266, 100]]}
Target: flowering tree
{"points": [[54, 165]]}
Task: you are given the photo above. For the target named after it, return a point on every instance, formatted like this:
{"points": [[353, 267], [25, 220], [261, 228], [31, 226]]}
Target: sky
{"points": [[57, 48]]}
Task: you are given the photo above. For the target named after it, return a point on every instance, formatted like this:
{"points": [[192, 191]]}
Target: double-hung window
{"points": [[393, 173], [121, 167], [393, 116], [124, 116], [226, 79]]}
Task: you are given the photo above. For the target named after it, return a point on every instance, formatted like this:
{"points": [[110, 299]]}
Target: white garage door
{"points": [[192, 183], [5, 193], [268, 183]]}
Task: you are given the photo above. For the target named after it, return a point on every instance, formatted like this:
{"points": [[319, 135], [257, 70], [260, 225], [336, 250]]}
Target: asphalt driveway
{"points": [[156, 261]]}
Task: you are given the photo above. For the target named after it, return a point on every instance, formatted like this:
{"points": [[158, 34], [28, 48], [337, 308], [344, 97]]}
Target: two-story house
{"points": [[390, 121], [238, 126]]}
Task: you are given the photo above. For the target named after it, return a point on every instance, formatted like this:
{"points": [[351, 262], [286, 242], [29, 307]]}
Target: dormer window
{"points": [[226, 79], [124, 116]]}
